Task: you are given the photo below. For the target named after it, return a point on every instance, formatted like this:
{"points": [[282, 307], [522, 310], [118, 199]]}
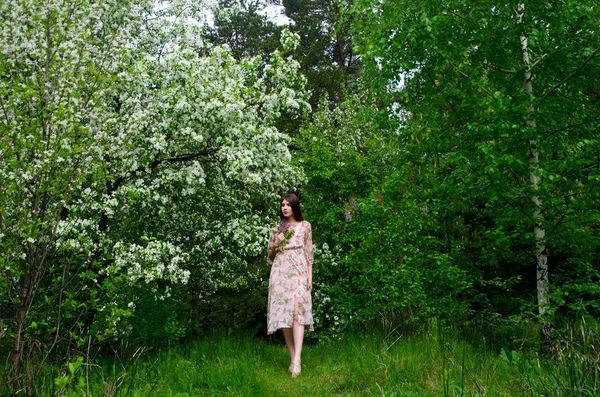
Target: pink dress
{"points": [[289, 296]]}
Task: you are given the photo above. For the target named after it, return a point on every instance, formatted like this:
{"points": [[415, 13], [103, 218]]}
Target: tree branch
{"points": [[566, 128], [569, 77], [440, 90], [58, 322], [181, 158], [508, 202], [538, 60], [595, 179], [5, 112], [459, 16]]}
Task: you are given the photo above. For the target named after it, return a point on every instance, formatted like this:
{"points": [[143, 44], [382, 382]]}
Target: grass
{"points": [[432, 363]]}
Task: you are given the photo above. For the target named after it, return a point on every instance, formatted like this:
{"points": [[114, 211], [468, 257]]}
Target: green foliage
{"points": [[136, 194], [244, 31], [436, 360], [235, 303], [467, 127], [573, 369], [370, 208], [157, 319], [326, 50], [71, 384]]}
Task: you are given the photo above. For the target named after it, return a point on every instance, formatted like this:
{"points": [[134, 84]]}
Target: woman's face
{"points": [[286, 209]]}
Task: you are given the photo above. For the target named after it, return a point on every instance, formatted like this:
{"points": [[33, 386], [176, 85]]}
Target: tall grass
{"points": [[434, 361]]}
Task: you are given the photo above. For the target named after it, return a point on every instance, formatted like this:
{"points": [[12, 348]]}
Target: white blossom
{"points": [[156, 149]]}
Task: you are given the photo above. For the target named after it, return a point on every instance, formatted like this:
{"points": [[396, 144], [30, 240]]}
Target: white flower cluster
{"points": [[134, 128], [331, 318], [156, 260]]}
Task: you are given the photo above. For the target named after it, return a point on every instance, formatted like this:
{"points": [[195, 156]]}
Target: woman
{"points": [[291, 255]]}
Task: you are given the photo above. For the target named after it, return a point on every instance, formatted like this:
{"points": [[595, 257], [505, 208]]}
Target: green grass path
{"points": [[354, 366]]}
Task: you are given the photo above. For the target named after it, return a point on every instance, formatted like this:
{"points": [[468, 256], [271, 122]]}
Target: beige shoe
{"points": [[295, 369]]}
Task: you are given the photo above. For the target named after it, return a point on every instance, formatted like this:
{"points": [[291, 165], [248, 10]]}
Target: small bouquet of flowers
{"points": [[288, 232]]}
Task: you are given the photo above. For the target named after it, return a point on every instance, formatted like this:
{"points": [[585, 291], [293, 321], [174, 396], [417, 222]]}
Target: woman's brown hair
{"points": [[294, 203]]}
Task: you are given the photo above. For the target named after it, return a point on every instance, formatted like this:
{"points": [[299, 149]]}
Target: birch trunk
{"points": [[534, 179]]}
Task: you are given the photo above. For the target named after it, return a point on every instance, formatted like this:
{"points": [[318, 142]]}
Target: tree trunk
{"points": [[538, 229], [17, 353]]}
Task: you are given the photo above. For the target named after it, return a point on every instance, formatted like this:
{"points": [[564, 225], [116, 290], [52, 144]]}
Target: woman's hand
{"points": [[274, 248], [278, 239]]}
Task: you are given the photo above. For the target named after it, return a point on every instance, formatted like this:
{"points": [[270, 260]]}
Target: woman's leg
{"points": [[298, 333], [288, 334]]}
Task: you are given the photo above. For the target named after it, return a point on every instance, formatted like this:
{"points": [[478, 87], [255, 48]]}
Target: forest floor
{"points": [[428, 364]]}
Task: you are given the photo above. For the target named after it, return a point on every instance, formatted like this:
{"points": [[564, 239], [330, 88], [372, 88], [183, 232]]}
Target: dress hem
{"points": [[310, 328]]}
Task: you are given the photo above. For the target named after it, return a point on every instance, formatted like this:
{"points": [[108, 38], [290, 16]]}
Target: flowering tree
{"points": [[132, 155]]}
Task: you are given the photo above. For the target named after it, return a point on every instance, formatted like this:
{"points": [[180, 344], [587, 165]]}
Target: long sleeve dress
{"points": [[289, 296]]}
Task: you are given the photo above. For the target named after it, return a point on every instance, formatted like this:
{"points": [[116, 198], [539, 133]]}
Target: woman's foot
{"points": [[291, 368], [295, 368]]}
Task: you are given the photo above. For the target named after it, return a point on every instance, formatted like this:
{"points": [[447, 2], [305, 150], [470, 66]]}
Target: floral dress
{"points": [[289, 296]]}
